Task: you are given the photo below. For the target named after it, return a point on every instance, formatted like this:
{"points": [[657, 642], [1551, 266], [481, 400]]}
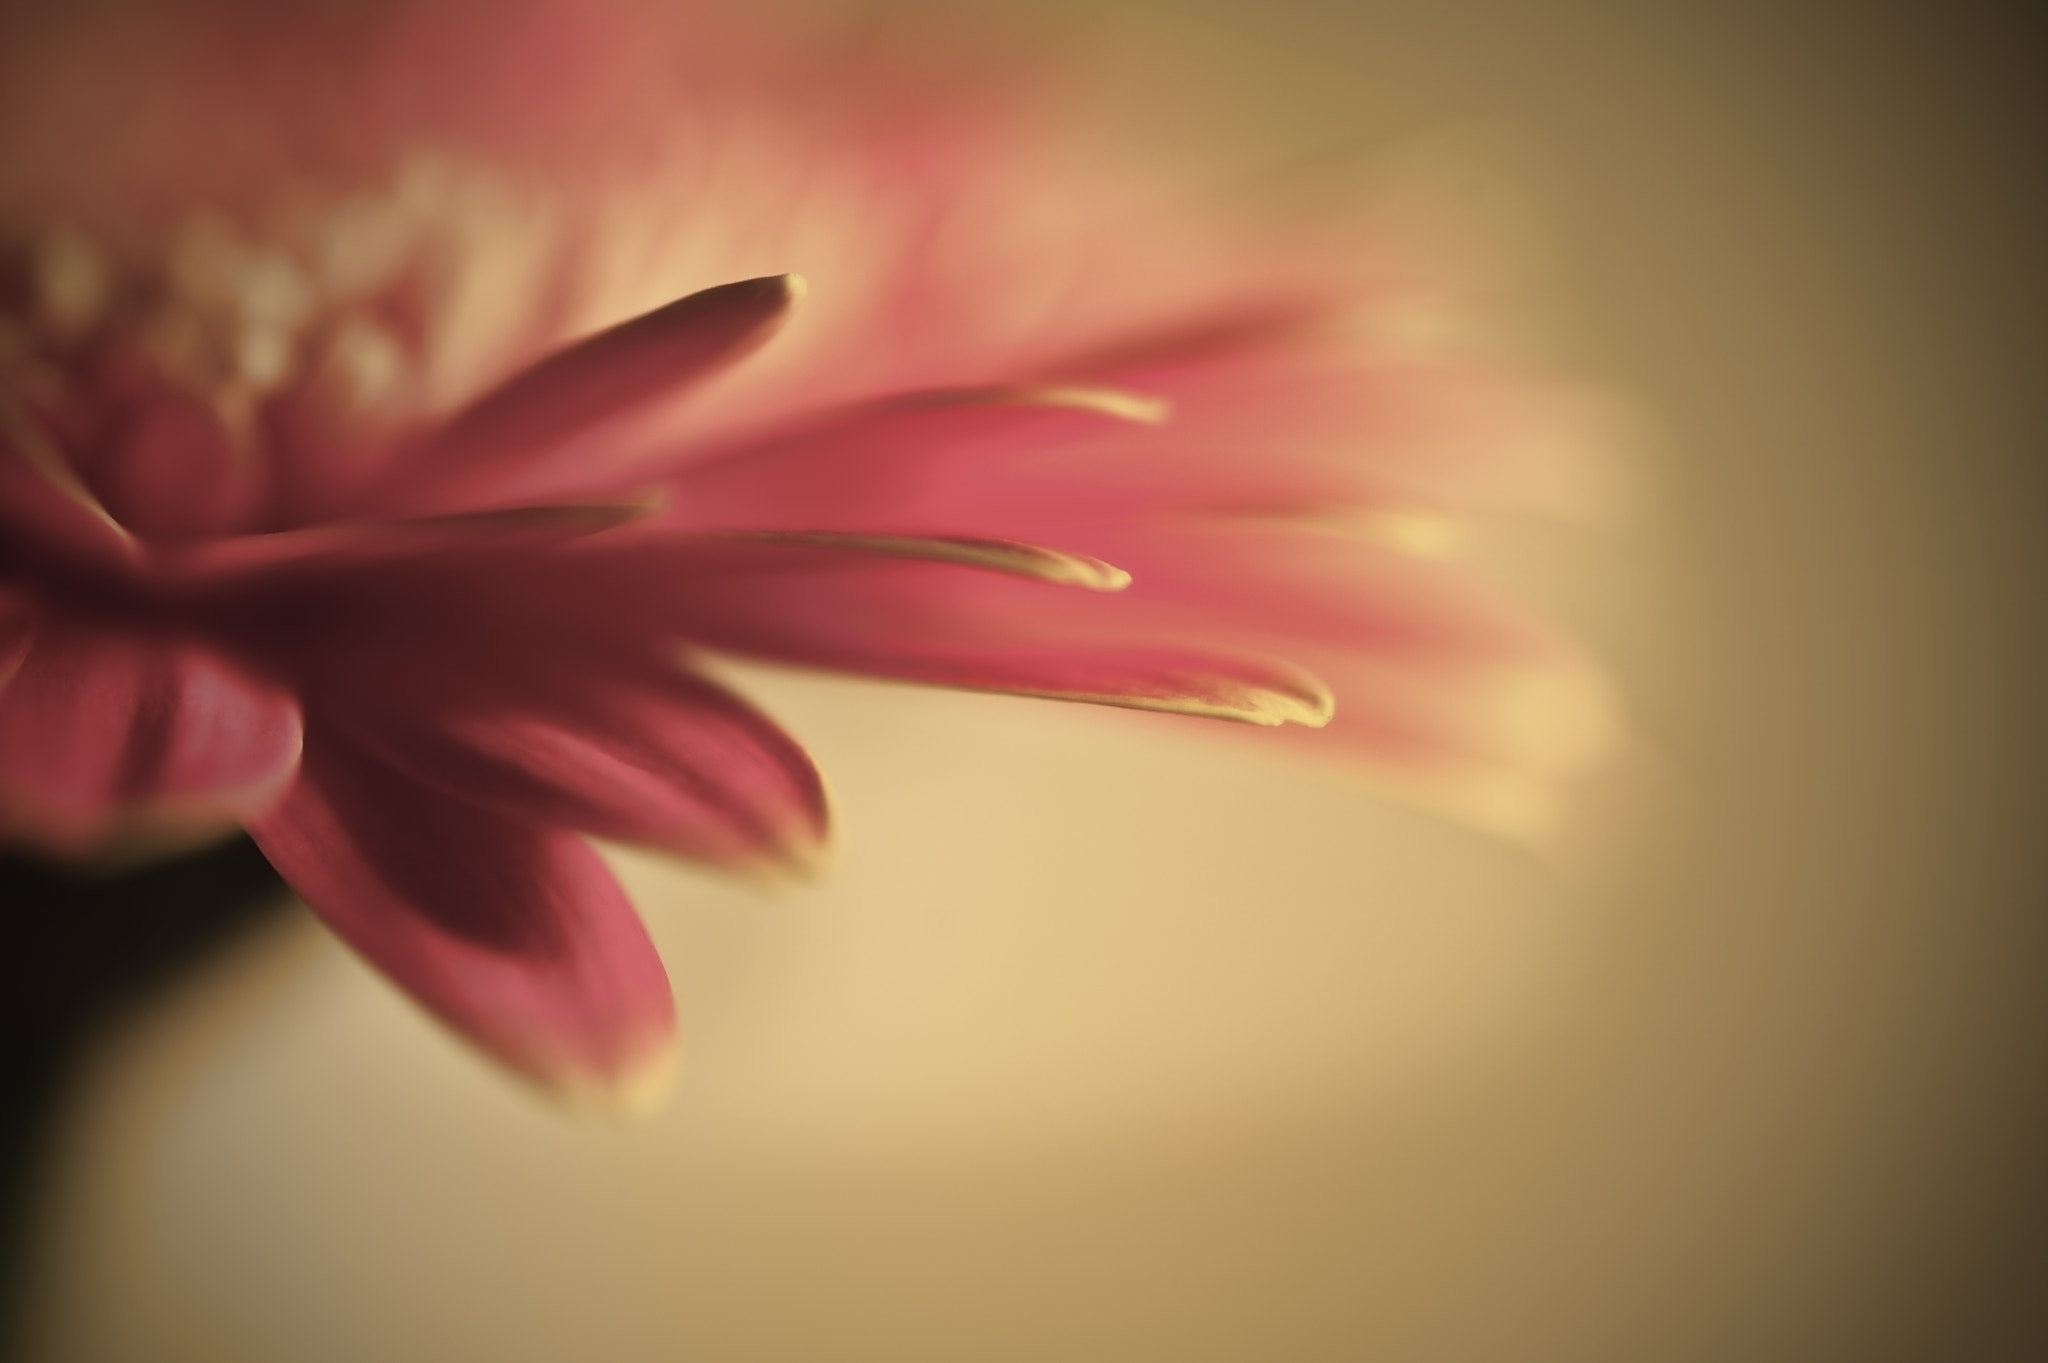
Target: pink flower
{"points": [[337, 500]]}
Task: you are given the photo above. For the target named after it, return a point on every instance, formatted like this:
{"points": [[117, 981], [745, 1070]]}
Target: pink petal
{"points": [[512, 934], [163, 464], [820, 605], [1542, 717], [1280, 432], [17, 631], [1058, 566], [327, 548], [106, 736], [496, 440], [1494, 745], [495, 626], [1209, 684], [1285, 588], [670, 761], [46, 514], [895, 462]]}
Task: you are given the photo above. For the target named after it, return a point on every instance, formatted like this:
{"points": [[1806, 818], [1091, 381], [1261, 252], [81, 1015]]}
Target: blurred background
{"points": [[1109, 1039]]}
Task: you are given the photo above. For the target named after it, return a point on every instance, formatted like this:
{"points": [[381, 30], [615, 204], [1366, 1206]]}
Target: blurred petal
{"points": [[514, 935], [45, 511], [1262, 691], [327, 548], [1298, 432], [891, 461], [17, 632], [105, 735], [488, 446], [1285, 587], [1491, 745], [1056, 566], [168, 469], [823, 606], [673, 762]]}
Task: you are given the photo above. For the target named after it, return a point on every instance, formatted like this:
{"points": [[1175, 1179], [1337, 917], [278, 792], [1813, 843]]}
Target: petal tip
{"points": [[1298, 698], [799, 860], [1061, 567], [1308, 703], [1269, 695], [1135, 408], [630, 1090], [1304, 701], [799, 853]]}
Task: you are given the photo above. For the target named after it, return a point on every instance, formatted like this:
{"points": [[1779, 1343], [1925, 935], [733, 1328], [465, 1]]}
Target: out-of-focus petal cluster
{"points": [[396, 397]]}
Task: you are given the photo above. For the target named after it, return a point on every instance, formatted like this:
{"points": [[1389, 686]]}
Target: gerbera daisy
{"points": [[398, 402]]}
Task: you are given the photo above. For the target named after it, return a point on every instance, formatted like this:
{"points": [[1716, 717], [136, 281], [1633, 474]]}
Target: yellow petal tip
{"points": [[636, 1089], [1114, 402]]}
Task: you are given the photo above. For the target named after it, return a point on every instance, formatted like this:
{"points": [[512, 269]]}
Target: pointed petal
{"points": [[330, 547], [1276, 587], [1057, 566], [819, 605], [105, 736], [18, 618], [1261, 691], [655, 355], [516, 936], [884, 464], [674, 762], [1546, 718], [45, 511], [170, 469], [1496, 745], [1329, 431]]}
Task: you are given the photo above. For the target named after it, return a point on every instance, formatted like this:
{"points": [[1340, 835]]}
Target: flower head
{"points": [[397, 400]]}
